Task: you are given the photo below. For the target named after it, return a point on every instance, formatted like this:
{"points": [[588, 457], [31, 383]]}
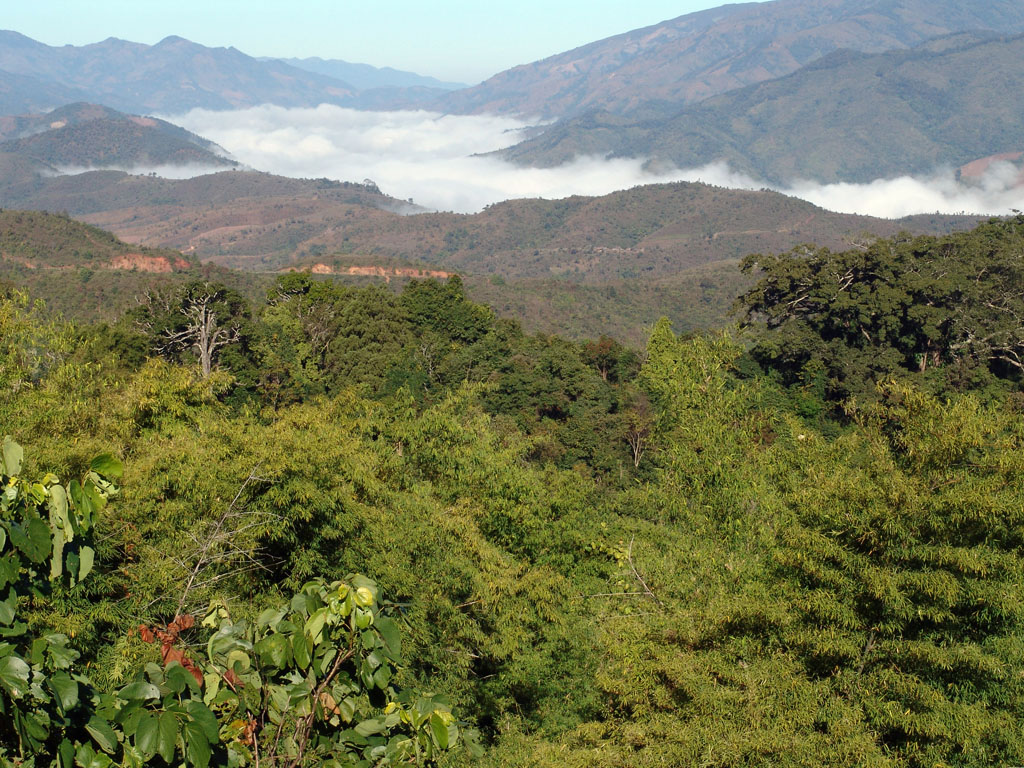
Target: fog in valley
{"points": [[441, 162]]}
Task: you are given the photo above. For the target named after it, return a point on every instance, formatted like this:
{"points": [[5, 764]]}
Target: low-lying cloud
{"points": [[435, 160]]}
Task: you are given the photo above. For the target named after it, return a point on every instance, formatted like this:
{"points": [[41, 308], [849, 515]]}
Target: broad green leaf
{"points": [[32, 538], [147, 735], [58, 505], [239, 661], [87, 556], [13, 455], [168, 736], [66, 690], [102, 733], [207, 720], [211, 686], [96, 500], [57, 559], [79, 500], [72, 563], [391, 636], [62, 655], [439, 730], [35, 725], [300, 649], [8, 608], [140, 690], [8, 568], [15, 630], [179, 678], [197, 746], [14, 673], [274, 650], [369, 727], [382, 676], [66, 752], [107, 466], [87, 757], [315, 625]]}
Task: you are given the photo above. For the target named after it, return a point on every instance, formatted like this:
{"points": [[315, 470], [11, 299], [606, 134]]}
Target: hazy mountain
{"points": [[702, 54], [174, 75], [365, 77], [90, 135], [849, 116], [22, 94]]}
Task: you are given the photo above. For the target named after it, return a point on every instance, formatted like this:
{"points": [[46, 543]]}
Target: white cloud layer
{"points": [[429, 158]]}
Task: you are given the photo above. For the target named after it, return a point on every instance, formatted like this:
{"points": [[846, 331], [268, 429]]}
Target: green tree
{"points": [[950, 305]]}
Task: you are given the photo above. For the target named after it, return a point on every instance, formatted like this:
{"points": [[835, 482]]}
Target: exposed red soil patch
{"points": [[142, 263], [975, 169]]}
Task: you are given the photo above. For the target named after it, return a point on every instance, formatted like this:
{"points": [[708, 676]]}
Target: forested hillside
{"points": [[848, 116], [344, 524]]}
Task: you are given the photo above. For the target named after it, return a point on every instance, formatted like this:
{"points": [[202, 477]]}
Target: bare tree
{"points": [[201, 333], [200, 318], [639, 426]]}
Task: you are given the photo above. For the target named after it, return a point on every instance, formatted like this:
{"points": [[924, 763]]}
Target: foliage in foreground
{"points": [[307, 683]]}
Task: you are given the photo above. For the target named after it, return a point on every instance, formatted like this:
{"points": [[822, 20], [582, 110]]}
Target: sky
{"points": [[456, 40]]}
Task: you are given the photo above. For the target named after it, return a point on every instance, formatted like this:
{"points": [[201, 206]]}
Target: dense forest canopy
{"points": [[794, 544]]}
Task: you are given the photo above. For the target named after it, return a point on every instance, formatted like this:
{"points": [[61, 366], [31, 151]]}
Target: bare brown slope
{"points": [[690, 58]]}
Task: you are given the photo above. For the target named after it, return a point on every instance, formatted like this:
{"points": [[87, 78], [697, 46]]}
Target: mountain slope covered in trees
{"points": [[847, 117]]}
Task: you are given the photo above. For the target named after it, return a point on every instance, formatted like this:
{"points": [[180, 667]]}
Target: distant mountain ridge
{"points": [[176, 75], [173, 76], [849, 116], [699, 55], [366, 76]]}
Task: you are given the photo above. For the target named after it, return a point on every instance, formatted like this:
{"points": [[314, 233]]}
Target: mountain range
{"points": [[699, 55], [177, 75], [849, 116]]}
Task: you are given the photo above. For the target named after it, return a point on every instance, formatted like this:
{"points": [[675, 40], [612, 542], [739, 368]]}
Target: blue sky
{"points": [[450, 39]]}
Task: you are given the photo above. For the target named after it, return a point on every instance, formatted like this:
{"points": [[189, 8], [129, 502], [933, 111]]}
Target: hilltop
{"points": [[23, 186], [86, 135]]}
